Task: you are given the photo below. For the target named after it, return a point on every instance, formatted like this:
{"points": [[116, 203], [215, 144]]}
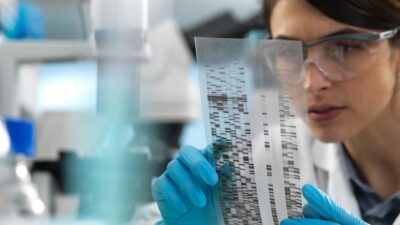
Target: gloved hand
{"points": [[321, 210], [184, 192], [29, 22]]}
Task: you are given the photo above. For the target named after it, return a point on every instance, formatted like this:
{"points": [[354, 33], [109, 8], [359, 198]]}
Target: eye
{"points": [[346, 46]]}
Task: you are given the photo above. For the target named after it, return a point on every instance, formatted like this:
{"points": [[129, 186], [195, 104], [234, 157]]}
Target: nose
{"points": [[314, 80]]}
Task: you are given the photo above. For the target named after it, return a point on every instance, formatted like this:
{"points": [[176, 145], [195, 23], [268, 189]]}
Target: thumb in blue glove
{"points": [[184, 192], [322, 210]]}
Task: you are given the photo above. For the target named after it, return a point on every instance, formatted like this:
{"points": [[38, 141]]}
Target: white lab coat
{"points": [[327, 172]]}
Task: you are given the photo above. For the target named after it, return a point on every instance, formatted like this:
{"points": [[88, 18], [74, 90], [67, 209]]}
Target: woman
{"points": [[352, 85]]}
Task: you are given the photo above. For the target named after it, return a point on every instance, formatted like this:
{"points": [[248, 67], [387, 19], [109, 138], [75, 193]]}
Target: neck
{"points": [[376, 154]]}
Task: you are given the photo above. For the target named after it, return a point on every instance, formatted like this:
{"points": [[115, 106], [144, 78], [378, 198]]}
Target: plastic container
{"points": [[18, 195]]}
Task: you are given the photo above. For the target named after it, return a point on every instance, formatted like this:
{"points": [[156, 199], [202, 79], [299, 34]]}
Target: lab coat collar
{"points": [[326, 156], [397, 221]]}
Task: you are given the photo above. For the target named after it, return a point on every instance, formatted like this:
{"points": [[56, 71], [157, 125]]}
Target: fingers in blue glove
{"points": [[309, 212], [161, 222], [182, 184], [167, 195], [198, 165], [306, 221], [327, 208], [180, 176], [207, 152]]}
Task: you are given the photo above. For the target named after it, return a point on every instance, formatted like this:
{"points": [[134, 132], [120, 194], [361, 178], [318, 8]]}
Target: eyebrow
{"points": [[339, 32]]}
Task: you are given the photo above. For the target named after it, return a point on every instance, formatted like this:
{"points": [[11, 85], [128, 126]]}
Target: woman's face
{"points": [[339, 110]]}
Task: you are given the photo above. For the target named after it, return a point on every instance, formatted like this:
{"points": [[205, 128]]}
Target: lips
{"points": [[323, 113]]}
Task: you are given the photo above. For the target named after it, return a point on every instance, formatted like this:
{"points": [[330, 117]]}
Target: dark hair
{"points": [[368, 14]]}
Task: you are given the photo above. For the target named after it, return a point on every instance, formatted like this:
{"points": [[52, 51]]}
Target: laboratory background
{"points": [[96, 97]]}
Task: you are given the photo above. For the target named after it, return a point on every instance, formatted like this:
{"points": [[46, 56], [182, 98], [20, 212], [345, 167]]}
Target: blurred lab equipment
{"points": [[15, 53], [19, 196], [144, 98], [120, 34], [167, 92], [38, 19], [120, 38], [17, 96], [4, 141], [168, 100], [65, 19]]}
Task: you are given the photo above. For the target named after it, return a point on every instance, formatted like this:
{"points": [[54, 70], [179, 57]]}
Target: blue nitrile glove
{"points": [[321, 210], [28, 24], [184, 192]]}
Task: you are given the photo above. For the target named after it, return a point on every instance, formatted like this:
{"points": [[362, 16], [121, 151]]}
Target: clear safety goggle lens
{"points": [[346, 59], [337, 58]]}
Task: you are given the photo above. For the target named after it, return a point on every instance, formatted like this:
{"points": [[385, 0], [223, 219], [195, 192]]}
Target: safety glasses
{"points": [[337, 57]]}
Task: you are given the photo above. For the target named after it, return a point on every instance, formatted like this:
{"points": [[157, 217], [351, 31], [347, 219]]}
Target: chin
{"points": [[328, 139], [329, 135]]}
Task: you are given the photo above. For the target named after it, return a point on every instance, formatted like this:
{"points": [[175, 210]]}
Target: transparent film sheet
{"points": [[252, 115]]}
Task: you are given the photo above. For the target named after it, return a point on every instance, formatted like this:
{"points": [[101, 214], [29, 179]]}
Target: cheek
{"points": [[396, 98], [367, 98], [370, 95]]}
